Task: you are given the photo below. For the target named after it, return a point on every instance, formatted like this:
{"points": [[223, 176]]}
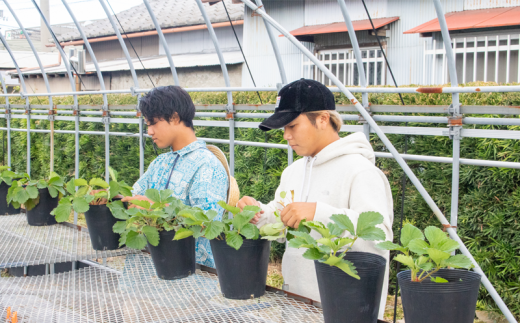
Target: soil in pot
{"points": [[241, 273], [173, 259], [429, 302], [40, 215], [4, 208], [345, 299], [100, 222]]}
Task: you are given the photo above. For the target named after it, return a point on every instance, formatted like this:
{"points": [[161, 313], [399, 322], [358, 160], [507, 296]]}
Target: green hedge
{"points": [[489, 197]]}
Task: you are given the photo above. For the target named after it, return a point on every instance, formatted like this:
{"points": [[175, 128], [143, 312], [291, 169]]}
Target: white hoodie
{"points": [[342, 178]]}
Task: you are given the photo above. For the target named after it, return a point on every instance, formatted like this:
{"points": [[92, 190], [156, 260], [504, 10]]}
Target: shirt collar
{"points": [[189, 148]]}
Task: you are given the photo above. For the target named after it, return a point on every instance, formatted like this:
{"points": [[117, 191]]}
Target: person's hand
{"points": [[136, 197], [293, 213], [247, 200], [99, 201]]}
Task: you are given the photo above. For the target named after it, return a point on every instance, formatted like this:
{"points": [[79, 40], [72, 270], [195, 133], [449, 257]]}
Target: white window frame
{"points": [[309, 69], [432, 53]]}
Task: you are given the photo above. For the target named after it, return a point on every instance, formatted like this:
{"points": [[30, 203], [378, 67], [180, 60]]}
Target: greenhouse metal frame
{"points": [[108, 114]]}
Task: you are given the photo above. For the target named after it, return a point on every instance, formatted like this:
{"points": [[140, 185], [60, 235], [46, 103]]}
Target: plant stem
{"points": [[431, 273]]}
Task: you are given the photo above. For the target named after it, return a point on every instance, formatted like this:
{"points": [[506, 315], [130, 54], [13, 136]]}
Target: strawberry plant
{"points": [[334, 244], [142, 224], [25, 191], [426, 258], [234, 230], [277, 230], [7, 176]]}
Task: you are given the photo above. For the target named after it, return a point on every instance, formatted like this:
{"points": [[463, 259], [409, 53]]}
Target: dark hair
{"points": [[166, 102]]}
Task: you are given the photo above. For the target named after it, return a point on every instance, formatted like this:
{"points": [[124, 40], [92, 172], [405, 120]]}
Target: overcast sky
{"points": [[83, 10]]}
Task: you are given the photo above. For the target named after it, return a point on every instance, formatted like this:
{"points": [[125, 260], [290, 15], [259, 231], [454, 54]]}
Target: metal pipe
{"points": [[163, 42], [230, 108], [440, 216], [101, 84], [276, 50], [22, 83], [46, 81], [8, 121]]}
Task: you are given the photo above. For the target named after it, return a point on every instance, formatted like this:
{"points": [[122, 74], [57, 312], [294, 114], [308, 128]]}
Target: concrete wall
{"points": [[206, 76]]}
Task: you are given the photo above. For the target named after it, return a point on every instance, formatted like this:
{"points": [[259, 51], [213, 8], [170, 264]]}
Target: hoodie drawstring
{"points": [[306, 196], [303, 179]]}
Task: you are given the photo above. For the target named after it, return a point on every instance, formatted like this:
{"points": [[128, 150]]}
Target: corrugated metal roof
{"points": [[169, 13], [470, 19], [341, 27], [155, 62], [27, 59]]}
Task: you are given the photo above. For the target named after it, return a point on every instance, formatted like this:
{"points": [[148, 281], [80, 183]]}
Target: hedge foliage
{"points": [[489, 197]]}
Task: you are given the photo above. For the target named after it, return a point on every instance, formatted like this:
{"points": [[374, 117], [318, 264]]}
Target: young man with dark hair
{"points": [[194, 174], [336, 175]]}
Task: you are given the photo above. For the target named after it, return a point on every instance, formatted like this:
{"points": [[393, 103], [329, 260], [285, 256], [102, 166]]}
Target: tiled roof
{"points": [[169, 13]]}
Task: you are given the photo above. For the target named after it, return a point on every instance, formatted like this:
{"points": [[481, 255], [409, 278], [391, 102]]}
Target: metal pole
{"points": [[46, 80], [134, 77], [27, 105], [163, 42], [8, 121], [359, 61], [230, 107], [392, 150]]}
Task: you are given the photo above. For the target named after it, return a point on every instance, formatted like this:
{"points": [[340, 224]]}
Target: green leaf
{"points": [[125, 190], [62, 212], [82, 191], [114, 189], [334, 229], [343, 242], [135, 240], [31, 203], [118, 210], [240, 220], [214, 229], [211, 214], [152, 234], [305, 236], [408, 233], [234, 240], [438, 280], [113, 173], [405, 260], [42, 184], [53, 191], [459, 261], [144, 204], [312, 254], [80, 205], [348, 268], [182, 233], [437, 256], [250, 231], [327, 242], [371, 234], [153, 195], [298, 242], [97, 182], [366, 222], [418, 246], [80, 182], [426, 266], [32, 191], [165, 194], [270, 229], [332, 260], [119, 227], [252, 208], [388, 245], [344, 222], [71, 188], [197, 231], [20, 195], [283, 194], [435, 236], [448, 245], [56, 180], [234, 210], [319, 227]]}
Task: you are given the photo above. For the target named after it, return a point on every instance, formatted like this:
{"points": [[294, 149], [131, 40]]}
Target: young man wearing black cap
{"points": [[335, 175]]}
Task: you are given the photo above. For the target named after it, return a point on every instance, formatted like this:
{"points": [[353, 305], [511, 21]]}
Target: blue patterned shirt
{"points": [[199, 180]]}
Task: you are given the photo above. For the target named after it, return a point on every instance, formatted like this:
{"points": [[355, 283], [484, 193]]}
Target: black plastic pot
{"points": [[241, 273], [429, 302], [346, 299], [100, 222], [173, 259], [40, 215], [4, 208]]}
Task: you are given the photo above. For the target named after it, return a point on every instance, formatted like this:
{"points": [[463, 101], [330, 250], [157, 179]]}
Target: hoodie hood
{"points": [[355, 143]]}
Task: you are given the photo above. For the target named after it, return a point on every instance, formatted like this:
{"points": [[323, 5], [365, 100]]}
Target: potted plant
{"points": [[350, 283], [39, 197], [6, 179], [156, 224], [94, 198], [240, 257], [430, 292]]}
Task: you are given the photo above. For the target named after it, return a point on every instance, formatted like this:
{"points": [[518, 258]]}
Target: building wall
{"points": [[206, 76], [199, 41], [109, 50]]}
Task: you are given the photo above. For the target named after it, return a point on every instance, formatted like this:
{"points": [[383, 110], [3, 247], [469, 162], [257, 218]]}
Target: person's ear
{"points": [[323, 120], [175, 119]]}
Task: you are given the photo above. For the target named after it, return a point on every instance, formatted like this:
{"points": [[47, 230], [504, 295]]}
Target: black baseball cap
{"points": [[296, 98]]}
